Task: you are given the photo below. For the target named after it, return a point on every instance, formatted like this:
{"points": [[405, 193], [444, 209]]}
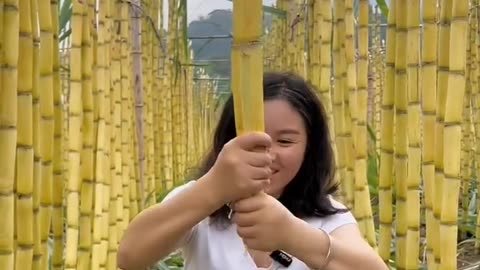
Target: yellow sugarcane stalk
{"points": [[453, 134], [24, 157], [414, 137], [385, 182], [247, 67], [75, 139], [9, 36], [87, 153], [442, 84], [429, 94]]}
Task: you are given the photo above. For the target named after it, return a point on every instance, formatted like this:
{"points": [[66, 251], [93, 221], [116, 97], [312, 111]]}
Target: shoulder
{"points": [[335, 221]]}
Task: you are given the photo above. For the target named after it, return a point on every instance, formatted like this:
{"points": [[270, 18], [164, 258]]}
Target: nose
{"points": [[273, 153]]}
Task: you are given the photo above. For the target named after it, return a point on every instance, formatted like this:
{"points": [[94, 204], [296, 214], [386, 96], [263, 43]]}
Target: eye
{"points": [[284, 141]]}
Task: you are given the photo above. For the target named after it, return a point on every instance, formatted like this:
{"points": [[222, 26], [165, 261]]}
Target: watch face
{"points": [[282, 258]]}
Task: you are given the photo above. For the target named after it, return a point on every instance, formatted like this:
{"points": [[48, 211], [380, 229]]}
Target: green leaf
{"points": [[65, 15], [383, 7], [65, 35], [372, 174]]}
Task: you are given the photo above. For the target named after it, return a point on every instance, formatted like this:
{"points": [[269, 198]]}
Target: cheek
{"points": [[291, 159]]}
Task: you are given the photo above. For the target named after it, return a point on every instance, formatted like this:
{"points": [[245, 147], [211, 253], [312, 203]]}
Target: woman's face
{"points": [[287, 130]]}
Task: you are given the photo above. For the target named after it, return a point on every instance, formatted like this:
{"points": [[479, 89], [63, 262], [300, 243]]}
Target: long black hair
{"points": [[307, 195]]}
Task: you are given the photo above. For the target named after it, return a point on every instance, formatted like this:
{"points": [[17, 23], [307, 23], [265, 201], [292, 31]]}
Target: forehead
{"points": [[280, 115]]}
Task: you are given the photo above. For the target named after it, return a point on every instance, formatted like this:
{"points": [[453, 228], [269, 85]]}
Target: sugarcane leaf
{"points": [[383, 7], [65, 15]]}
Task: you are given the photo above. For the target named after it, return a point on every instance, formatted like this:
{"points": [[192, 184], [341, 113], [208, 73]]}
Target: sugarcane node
{"points": [[249, 45]]}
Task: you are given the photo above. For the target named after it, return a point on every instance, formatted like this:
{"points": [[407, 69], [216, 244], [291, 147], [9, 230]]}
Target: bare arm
{"points": [[348, 249], [156, 232]]}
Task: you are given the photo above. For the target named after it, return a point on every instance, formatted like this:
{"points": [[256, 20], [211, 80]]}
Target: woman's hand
{"points": [[242, 167], [263, 222]]}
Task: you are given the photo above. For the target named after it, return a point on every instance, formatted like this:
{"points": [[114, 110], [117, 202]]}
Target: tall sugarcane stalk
{"points": [[37, 161], [429, 89], [9, 34], [401, 138], [58, 148], [74, 135], [88, 136], [414, 137], [362, 192], [453, 133], [386, 142], [24, 156], [47, 123]]}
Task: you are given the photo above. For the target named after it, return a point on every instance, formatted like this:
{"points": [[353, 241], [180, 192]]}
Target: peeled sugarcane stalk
{"points": [[129, 184], [467, 140], [108, 7], [9, 38], [47, 123], [379, 61], [182, 57], [442, 84], [385, 192], [175, 90], [362, 192], [325, 80], [24, 156], [37, 161], [429, 95], [338, 93], [312, 49], [169, 103], [157, 98], [293, 18], [401, 125], [466, 154], [58, 148], [414, 138], [350, 103], [100, 157], [123, 195], [74, 137], [147, 89], [190, 118], [136, 56], [247, 66], [88, 138], [476, 113], [348, 129], [453, 133], [469, 115], [115, 138]]}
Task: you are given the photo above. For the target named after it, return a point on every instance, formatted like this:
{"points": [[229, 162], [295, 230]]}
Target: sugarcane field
{"points": [[107, 106]]}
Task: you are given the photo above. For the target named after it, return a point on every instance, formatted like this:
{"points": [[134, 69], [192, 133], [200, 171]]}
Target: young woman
{"points": [[261, 200]]}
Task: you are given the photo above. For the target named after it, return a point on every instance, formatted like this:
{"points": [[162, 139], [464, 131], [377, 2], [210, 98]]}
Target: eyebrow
{"points": [[289, 131]]}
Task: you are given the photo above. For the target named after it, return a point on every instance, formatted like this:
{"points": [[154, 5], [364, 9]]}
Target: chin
{"points": [[274, 192]]}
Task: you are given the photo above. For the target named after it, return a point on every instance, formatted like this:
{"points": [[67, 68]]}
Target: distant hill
{"points": [[219, 23]]}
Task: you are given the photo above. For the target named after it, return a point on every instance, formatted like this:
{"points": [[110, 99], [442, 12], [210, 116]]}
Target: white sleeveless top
{"points": [[208, 248]]}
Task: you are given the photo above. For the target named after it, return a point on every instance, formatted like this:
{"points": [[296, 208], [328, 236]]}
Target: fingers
{"points": [[245, 219], [254, 141], [258, 159], [260, 173], [246, 232], [250, 204]]}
